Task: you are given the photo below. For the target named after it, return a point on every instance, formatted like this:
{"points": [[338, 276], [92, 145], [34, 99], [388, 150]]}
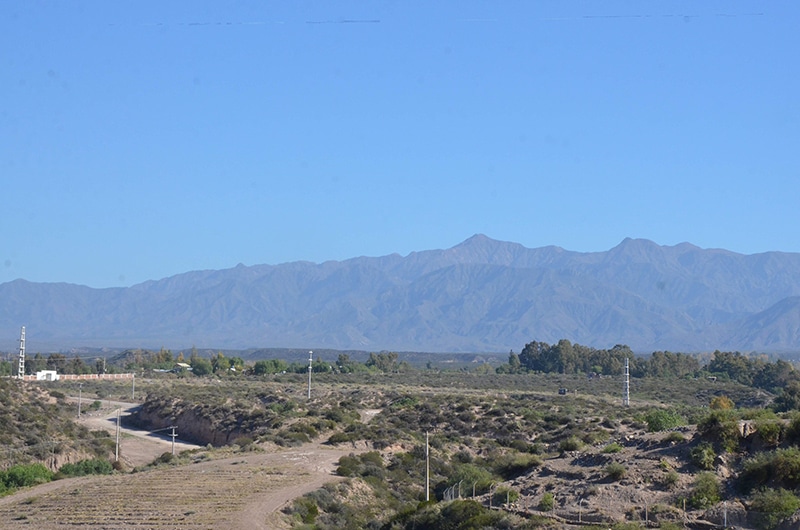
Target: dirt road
{"points": [[137, 446]]}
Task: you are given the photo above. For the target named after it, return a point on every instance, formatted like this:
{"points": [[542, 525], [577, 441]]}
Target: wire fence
{"points": [[724, 515]]}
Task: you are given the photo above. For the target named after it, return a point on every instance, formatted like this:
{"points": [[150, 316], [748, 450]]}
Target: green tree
{"points": [[57, 362], [270, 366], [385, 362], [514, 364], [201, 366], [789, 398]]}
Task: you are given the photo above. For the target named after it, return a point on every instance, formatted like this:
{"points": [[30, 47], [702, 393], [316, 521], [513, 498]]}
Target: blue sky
{"points": [[144, 139]]}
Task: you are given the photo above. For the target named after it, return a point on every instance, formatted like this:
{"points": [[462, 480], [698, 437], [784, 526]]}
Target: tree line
{"points": [[562, 357], [567, 358]]}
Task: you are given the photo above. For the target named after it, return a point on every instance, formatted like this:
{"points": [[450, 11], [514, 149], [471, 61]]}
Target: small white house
{"points": [[47, 375]]}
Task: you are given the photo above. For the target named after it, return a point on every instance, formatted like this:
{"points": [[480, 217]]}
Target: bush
{"points": [[720, 426], [573, 443], [769, 432], [721, 403], [703, 456], [547, 502], [615, 471], [95, 466], [514, 465], [706, 491], [22, 476], [662, 420], [612, 448], [773, 506], [504, 495], [671, 479], [675, 437]]}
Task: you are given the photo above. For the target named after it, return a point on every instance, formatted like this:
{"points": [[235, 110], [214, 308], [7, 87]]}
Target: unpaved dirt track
{"points": [[137, 446], [242, 492]]}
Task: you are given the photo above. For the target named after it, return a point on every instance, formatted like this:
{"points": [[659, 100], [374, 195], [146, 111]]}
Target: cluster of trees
{"points": [[567, 358], [384, 362], [63, 364]]}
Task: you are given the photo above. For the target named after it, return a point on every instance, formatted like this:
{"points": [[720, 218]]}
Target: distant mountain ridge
{"points": [[482, 295]]}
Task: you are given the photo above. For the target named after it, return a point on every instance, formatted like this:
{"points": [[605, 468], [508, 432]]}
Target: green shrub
{"points": [[703, 456], [675, 436], [340, 437], [615, 471], [769, 432], [706, 491], [573, 443], [547, 502], [662, 420], [720, 426], [513, 465], [770, 507], [305, 509], [21, 476], [504, 495], [94, 466], [612, 448]]}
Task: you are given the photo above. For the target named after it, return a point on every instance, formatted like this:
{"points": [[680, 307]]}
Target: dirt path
{"points": [[137, 446], [315, 466]]}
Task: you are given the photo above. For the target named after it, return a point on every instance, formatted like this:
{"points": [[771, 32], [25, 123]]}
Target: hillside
{"points": [[542, 459], [479, 296], [39, 426]]}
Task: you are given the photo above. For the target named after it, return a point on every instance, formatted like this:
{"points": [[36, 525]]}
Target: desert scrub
{"points": [[706, 491], [612, 448], [780, 468], [675, 437], [769, 431], [573, 443], [671, 479], [770, 506], [615, 471], [547, 502], [703, 456], [721, 427], [504, 496], [662, 419]]}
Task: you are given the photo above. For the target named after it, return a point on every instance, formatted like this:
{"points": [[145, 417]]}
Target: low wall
{"points": [[74, 377]]}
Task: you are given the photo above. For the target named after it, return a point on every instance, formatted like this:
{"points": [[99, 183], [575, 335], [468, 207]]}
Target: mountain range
{"points": [[482, 295]]}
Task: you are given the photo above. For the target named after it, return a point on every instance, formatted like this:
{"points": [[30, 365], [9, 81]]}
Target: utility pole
{"points": [[21, 367], [133, 387], [310, 355], [173, 427], [626, 395], [80, 398], [116, 454], [427, 469]]}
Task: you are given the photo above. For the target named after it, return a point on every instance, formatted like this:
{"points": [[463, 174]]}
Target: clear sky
{"points": [[139, 140]]}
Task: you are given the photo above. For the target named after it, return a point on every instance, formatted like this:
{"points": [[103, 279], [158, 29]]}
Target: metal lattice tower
{"points": [[21, 368], [626, 393]]}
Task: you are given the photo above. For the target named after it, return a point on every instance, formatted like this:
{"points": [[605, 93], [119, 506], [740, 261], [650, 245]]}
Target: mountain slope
{"points": [[480, 295]]}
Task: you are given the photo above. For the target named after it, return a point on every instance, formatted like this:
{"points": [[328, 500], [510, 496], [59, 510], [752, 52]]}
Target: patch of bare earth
{"points": [[241, 492]]}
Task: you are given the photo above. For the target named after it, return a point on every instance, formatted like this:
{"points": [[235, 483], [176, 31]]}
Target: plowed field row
{"points": [[236, 492]]}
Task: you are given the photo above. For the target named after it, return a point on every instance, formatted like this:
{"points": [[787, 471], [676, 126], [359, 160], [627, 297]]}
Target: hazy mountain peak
{"points": [[480, 295]]}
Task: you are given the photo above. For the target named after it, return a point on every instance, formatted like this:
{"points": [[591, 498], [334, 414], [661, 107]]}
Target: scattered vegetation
{"points": [[489, 429]]}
